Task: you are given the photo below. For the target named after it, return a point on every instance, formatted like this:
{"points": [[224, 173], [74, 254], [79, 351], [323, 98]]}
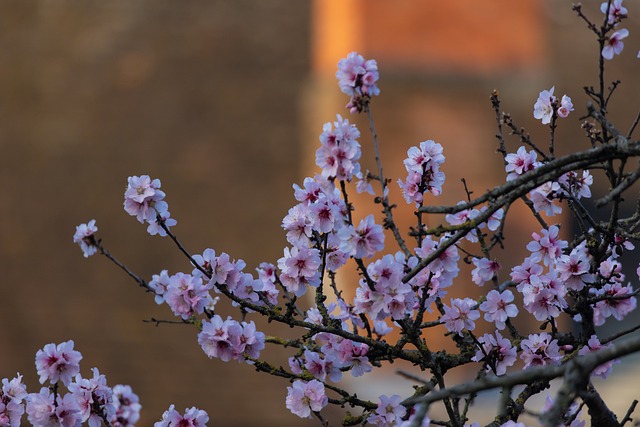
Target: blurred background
{"points": [[224, 101]]}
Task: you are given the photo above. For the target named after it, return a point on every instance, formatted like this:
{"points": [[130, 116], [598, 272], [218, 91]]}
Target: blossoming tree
{"points": [[567, 287]]}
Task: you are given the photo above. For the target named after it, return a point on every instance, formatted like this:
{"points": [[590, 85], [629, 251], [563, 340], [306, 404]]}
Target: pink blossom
{"points": [[299, 268], [305, 397], [498, 307], [155, 226], [485, 270], [353, 356], [159, 284], [594, 345], [84, 236], [566, 106], [497, 353], [340, 151], [309, 193], [58, 363], [577, 186], [521, 274], [216, 337], [520, 162], [144, 199], [540, 350], [423, 171], [543, 108], [616, 11], [14, 389], [494, 221], [187, 295], [193, 417], [543, 302], [618, 303], [574, 269], [42, 411], [94, 398], [127, 406], [11, 401], [230, 340], [547, 247], [542, 198], [614, 45], [298, 225], [460, 315], [389, 412], [463, 217], [357, 78], [367, 239]]}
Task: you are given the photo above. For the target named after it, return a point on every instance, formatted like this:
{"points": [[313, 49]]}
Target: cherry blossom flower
{"points": [[155, 227], [566, 106], [144, 199], [187, 295], [423, 171], [542, 198], [498, 307], [389, 412], [485, 270], [93, 397], [574, 269], [619, 302], [543, 108], [84, 236], [58, 363], [305, 397], [357, 78], [520, 162], [42, 411], [544, 298], [299, 268], [614, 45], [462, 217], [340, 151], [616, 11], [594, 344], [460, 315], [365, 240], [215, 338], [193, 417], [546, 247], [497, 353], [540, 350], [127, 406], [577, 186], [13, 394]]}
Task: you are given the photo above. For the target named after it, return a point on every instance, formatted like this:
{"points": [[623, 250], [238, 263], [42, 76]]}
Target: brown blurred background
{"points": [[222, 100]]}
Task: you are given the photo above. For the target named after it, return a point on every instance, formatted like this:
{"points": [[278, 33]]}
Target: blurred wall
{"points": [[201, 94]]}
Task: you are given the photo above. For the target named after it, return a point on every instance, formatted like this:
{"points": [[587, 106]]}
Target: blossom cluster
{"points": [[89, 399], [84, 236], [423, 172], [613, 44], [144, 200], [230, 340], [187, 295], [547, 106], [350, 334], [571, 185], [357, 78], [340, 151]]}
